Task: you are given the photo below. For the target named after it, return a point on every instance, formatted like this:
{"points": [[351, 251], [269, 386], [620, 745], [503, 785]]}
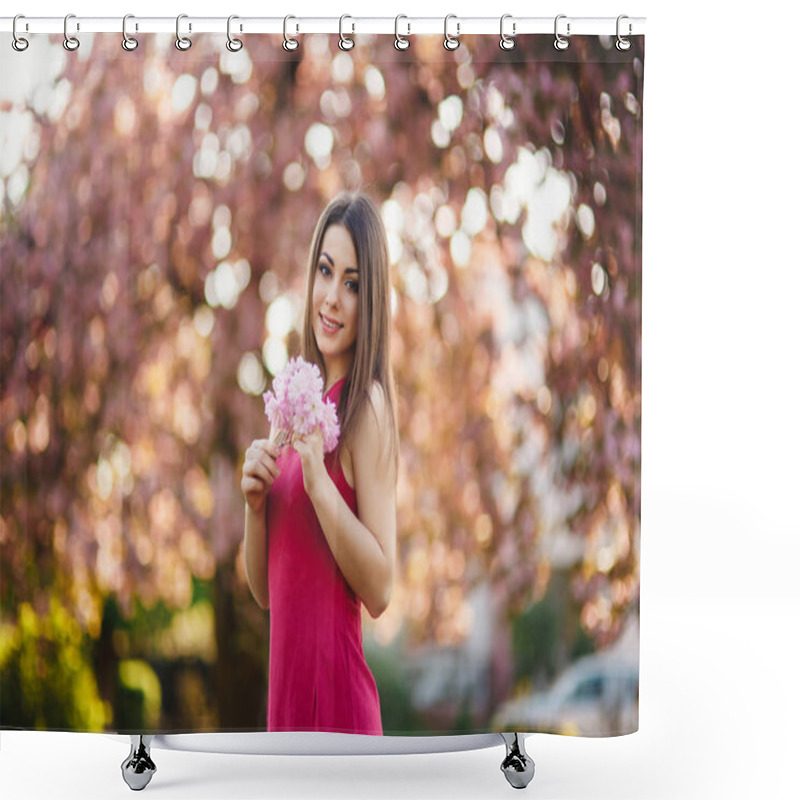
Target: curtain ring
{"points": [[18, 42], [451, 42], [234, 45], [507, 42], [70, 42], [400, 42], [182, 42], [561, 43], [623, 44], [289, 43], [345, 43], [128, 42]]}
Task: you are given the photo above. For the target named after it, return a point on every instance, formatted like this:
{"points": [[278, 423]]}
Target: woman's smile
{"points": [[329, 325]]}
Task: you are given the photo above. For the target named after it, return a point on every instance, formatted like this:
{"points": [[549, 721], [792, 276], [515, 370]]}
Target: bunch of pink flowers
{"points": [[295, 404]]}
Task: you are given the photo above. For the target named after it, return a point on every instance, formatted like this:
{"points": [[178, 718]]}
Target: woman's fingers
{"points": [[271, 448], [260, 468], [264, 446], [252, 485], [263, 467]]}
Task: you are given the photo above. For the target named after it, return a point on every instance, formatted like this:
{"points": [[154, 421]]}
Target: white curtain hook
{"points": [[70, 42], [129, 43], [623, 44], [507, 42], [182, 42], [289, 42], [19, 43], [561, 43], [234, 45], [345, 42], [451, 42], [400, 42]]}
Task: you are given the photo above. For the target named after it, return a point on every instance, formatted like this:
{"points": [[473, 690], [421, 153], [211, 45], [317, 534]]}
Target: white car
{"points": [[598, 695]]}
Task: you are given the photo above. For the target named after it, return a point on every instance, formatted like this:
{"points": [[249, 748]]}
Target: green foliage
{"points": [[138, 697], [46, 678], [464, 721], [535, 637], [159, 632], [582, 645], [397, 713]]}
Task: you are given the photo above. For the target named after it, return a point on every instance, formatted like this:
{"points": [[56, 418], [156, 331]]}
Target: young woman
{"points": [[320, 530]]}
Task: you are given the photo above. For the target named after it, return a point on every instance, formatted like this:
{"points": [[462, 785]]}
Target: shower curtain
{"points": [[158, 207]]}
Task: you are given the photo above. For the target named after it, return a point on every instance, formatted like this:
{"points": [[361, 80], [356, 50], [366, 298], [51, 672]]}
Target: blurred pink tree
{"points": [[172, 203]]}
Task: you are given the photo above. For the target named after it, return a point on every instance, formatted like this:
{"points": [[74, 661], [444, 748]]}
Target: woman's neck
{"points": [[332, 381], [336, 371]]}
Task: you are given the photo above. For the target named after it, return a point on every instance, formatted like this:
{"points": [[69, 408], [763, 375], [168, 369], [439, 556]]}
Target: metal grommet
{"points": [[561, 43], [451, 42], [19, 43], [70, 42], [507, 42], [345, 43], [128, 42], [234, 45], [289, 43], [623, 44], [182, 42], [400, 42]]}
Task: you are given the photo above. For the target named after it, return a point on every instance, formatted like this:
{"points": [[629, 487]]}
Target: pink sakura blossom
{"points": [[295, 404]]}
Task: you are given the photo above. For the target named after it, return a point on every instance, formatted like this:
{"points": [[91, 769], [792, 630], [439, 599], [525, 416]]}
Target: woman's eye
{"points": [[352, 286], [324, 269]]}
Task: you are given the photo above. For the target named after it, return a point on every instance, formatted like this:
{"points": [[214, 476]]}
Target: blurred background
{"points": [[157, 209]]}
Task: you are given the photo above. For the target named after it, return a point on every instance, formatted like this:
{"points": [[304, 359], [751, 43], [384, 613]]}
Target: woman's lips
{"points": [[329, 325]]}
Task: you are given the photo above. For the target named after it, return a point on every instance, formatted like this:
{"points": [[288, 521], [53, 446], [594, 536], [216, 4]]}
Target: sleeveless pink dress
{"points": [[318, 677]]}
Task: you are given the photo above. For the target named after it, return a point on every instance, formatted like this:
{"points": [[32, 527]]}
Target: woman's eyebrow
{"points": [[333, 264]]}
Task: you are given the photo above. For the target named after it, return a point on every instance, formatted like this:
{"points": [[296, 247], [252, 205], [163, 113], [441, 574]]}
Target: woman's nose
{"points": [[333, 294]]}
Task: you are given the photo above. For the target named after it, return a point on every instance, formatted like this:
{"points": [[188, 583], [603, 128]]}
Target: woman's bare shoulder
{"points": [[376, 413], [374, 431], [378, 399]]}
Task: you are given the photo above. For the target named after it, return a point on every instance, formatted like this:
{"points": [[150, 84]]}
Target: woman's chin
{"points": [[330, 344]]}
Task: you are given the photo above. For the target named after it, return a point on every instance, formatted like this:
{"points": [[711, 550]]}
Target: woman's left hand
{"points": [[312, 457]]}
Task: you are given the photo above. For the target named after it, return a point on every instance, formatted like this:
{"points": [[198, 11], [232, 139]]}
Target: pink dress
{"points": [[318, 677]]}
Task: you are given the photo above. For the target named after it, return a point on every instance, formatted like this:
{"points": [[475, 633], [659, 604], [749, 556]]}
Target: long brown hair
{"points": [[359, 215]]}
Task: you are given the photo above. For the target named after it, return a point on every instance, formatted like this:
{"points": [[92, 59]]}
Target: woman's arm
{"points": [[255, 556], [258, 474], [363, 545]]}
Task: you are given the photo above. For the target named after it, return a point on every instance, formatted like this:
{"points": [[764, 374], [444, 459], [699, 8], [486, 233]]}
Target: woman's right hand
{"points": [[259, 472]]}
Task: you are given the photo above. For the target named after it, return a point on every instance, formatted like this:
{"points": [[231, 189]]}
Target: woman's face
{"points": [[335, 301]]}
